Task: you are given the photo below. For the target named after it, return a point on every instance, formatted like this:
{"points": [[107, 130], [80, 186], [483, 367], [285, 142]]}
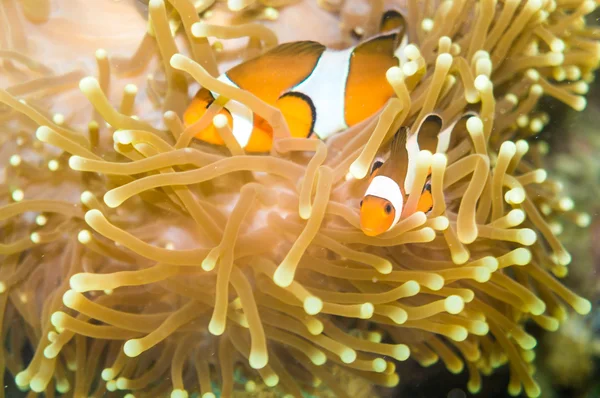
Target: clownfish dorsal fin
{"points": [[296, 48], [392, 20], [273, 73], [392, 29], [425, 138], [396, 165], [398, 145], [428, 131], [382, 45]]}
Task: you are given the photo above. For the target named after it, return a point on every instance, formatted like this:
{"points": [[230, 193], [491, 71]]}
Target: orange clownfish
{"points": [[318, 90], [390, 179]]}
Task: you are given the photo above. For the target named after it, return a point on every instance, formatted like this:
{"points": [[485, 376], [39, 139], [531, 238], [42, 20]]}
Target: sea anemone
{"points": [[138, 260]]}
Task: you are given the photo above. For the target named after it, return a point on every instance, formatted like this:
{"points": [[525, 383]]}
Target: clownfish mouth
{"points": [[377, 215]]}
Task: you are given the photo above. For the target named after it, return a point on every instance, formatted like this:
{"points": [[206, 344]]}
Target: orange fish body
{"points": [[318, 90]]}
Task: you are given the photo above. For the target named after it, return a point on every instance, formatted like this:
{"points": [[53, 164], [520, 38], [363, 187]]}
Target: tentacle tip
{"points": [[385, 268], [179, 393], [456, 368], [379, 365], [564, 258], [77, 283], [88, 84], [366, 311], [63, 386], [258, 360], [527, 236], [533, 390], [467, 236], [313, 305], [132, 348], [528, 342], [459, 334], [319, 358], [454, 304], [111, 386], [198, 29], [177, 60], [43, 133], [111, 200], [582, 306], [394, 74], [216, 328], [436, 282], [401, 352], [460, 257], [50, 352], [580, 103], [69, 298], [283, 277], [208, 264], [483, 274], [583, 220], [348, 355], [357, 170], [412, 288], [107, 374], [474, 125], [441, 223], [473, 387], [38, 384], [84, 237], [220, 121]]}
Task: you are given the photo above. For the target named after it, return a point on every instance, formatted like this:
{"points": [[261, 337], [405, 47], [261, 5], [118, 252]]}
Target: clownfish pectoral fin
{"points": [[197, 106], [392, 20], [196, 110], [210, 133], [299, 113]]}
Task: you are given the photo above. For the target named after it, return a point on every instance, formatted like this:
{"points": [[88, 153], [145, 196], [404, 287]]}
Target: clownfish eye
{"points": [[427, 186], [388, 208], [360, 204], [377, 164]]}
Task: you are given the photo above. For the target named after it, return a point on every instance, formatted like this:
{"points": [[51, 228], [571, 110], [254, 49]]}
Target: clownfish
{"points": [[389, 179], [319, 91]]}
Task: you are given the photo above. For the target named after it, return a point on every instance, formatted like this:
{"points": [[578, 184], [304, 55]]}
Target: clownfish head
{"points": [[381, 206], [383, 202]]}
